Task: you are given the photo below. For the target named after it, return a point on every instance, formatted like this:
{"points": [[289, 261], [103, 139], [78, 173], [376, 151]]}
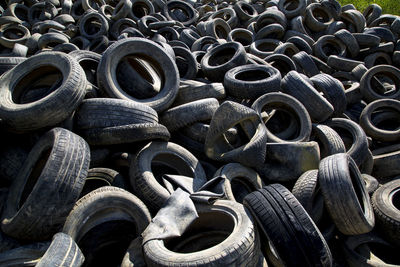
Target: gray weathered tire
{"points": [[27, 255], [63, 252], [242, 180], [161, 61], [381, 134], [318, 107], [120, 215], [252, 81], [143, 175], [234, 240], [289, 236], [58, 165], [385, 202], [345, 196], [329, 140], [189, 113], [288, 104], [308, 193], [229, 114], [217, 61], [59, 101]]}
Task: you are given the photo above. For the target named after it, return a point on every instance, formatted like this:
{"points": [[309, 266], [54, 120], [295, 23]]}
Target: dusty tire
{"points": [[344, 192], [385, 202], [106, 72], [121, 217], [287, 227], [62, 252], [49, 109], [234, 236], [143, 176], [58, 165]]}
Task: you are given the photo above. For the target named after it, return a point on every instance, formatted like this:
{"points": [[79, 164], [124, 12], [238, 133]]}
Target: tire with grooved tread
{"points": [[307, 192], [63, 252], [59, 101], [58, 165], [238, 247], [144, 181], [385, 202], [329, 140], [344, 192], [285, 225]]}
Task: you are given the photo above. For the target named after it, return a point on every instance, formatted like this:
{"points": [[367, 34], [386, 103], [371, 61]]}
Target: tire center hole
{"points": [[202, 234], [396, 198], [37, 84], [34, 176], [109, 238], [252, 75], [221, 57]]}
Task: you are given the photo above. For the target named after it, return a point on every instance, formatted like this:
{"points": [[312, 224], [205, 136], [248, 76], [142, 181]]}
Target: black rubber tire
{"points": [[358, 149], [287, 227], [371, 183], [307, 192], [217, 61], [377, 133], [62, 252], [385, 202], [27, 255], [289, 104], [345, 195], [228, 14], [189, 113], [342, 63], [349, 40], [235, 237], [192, 90], [329, 140], [286, 161], [242, 180], [49, 109], [322, 47], [333, 91], [308, 66], [359, 251], [252, 81], [143, 175], [281, 62], [385, 162], [99, 177], [217, 147], [372, 12], [367, 88], [87, 18], [7, 63], [292, 8], [186, 62], [120, 215], [191, 15], [324, 19], [317, 106], [106, 74], [58, 165]]}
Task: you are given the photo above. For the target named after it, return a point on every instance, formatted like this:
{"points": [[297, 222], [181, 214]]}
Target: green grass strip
{"points": [[388, 6]]}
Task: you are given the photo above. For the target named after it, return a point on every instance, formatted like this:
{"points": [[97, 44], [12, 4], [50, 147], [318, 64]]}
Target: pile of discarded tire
{"points": [[199, 133]]}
